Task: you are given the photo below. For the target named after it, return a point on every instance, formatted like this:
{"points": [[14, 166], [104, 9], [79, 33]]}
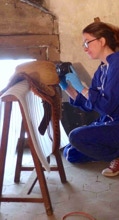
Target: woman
{"points": [[99, 140]]}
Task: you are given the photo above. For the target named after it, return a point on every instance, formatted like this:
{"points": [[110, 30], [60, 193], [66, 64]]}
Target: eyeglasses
{"points": [[85, 44]]}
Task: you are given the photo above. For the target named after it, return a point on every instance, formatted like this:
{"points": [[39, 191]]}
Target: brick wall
{"points": [[27, 32]]}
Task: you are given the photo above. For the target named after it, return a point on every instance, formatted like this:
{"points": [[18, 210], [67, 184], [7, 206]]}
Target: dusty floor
{"points": [[86, 190]]}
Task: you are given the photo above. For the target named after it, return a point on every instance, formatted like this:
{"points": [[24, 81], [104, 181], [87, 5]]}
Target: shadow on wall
{"points": [[83, 74]]}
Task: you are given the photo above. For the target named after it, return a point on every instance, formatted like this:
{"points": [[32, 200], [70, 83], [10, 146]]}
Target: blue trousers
{"points": [[93, 143]]}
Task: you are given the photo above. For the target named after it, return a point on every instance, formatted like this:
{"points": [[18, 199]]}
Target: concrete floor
{"points": [[86, 190]]}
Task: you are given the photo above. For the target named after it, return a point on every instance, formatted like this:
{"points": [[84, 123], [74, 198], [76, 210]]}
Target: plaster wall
{"points": [[73, 16]]}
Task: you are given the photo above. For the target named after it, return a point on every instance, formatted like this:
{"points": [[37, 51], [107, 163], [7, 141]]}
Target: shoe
{"points": [[113, 169]]}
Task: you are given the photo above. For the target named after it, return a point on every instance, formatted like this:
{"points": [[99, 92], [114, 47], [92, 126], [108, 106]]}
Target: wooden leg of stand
{"points": [[60, 166], [39, 169], [20, 149], [41, 180], [4, 141]]}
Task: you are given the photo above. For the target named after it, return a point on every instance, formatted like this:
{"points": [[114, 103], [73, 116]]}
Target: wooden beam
{"points": [[41, 47]]}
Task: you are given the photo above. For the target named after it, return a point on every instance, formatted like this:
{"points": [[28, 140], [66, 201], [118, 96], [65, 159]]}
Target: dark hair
{"points": [[108, 31]]}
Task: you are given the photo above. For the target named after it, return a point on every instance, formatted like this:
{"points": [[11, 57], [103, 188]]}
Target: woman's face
{"points": [[92, 46]]}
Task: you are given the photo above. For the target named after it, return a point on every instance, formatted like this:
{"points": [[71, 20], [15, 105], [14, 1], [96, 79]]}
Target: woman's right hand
{"points": [[63, 83]]}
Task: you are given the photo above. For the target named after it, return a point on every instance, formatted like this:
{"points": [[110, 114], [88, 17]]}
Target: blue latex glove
{"points": [[63, 83], [74, 80]]}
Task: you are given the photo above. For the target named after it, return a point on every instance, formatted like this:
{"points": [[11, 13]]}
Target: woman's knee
{"points": [[75, 137], [72, 137]]}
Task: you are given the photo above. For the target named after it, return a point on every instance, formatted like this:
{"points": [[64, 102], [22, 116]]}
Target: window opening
{"points": [[7, 68]]}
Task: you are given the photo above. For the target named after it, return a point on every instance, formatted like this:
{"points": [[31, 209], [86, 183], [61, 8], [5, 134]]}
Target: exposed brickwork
{"points": [[27, 32], [45, 47]]}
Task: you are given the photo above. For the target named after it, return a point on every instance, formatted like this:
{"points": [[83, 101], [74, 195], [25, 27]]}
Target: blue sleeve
{"points": [[104, 102], [88, 104], [81, 102]]}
